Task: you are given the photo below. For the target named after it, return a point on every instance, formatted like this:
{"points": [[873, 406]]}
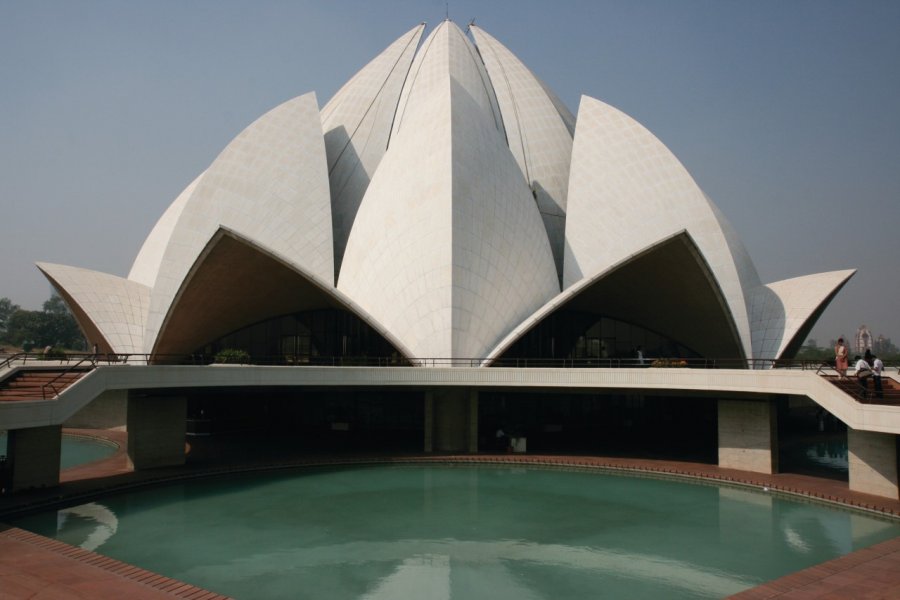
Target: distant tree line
{"points": [[28, 329], [811, 351]]}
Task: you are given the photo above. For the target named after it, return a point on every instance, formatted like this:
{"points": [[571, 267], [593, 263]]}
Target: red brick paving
{"points": [[35, 567]]}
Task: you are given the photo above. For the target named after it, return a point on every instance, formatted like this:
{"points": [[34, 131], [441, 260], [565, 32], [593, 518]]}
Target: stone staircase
{"points": [[891, 390], [38, 384]]}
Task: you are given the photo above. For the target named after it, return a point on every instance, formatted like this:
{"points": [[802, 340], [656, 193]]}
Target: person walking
{"points": [[841, 358]]}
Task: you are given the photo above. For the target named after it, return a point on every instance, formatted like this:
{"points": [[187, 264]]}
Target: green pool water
{"points": [[76, 450], [462, 532]]}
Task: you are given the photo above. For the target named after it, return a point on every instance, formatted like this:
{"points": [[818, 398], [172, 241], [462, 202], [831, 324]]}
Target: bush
{"points": [[54, 354], [669, 363], [232, 356]]}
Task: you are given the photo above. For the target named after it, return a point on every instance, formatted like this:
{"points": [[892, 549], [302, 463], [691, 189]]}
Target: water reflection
{"points": [[462, 532]]}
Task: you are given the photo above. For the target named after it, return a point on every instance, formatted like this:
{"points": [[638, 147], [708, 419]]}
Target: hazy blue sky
{"points": [[787, 114]]}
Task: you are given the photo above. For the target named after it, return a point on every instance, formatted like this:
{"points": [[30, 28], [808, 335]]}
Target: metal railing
{"points": [[85, 364], [82, 358]]}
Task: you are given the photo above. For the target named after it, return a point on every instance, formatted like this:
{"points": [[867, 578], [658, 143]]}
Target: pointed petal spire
{"points": [[627, 190], [539, 131], [270, 184], [111, 311], [449, 260], [357, 124], [784, 312]]}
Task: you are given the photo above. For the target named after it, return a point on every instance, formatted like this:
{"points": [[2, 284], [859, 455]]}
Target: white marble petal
{"points": [[146, 265], [627, 190], [448, 250], [270, 184], [538, 132], [116, 307], [781, 310], [357, 125]]}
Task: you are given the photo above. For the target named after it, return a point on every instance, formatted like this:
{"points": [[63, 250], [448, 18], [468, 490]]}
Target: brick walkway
{"points": [[35, 567]]}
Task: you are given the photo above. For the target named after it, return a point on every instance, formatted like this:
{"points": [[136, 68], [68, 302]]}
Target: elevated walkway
{"points": [[719, 383]]}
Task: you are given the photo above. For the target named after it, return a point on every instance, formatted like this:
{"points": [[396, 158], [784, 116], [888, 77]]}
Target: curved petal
{"points": [[538, 133], [666, 287], [111, 311], [146, 266], [270, 185], [452, 258], [357, 124], [236, 282], [784, 312], [627, 190]]}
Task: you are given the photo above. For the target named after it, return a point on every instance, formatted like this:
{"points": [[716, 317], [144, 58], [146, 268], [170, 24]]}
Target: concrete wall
{"points": [[873, 463], [748, 436], [156, 430], [106, 411], [34, 455], [451, 421]]}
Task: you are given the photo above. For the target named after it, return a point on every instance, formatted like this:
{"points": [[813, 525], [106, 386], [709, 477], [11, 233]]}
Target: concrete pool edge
{"points": [[850, 573]]}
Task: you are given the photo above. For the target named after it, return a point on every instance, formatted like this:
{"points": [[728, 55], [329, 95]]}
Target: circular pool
{"points": [[462, 532]]}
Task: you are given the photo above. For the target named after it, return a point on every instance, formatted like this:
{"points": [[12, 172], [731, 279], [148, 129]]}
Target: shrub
{"points": [[669, 363], [232, 356]]}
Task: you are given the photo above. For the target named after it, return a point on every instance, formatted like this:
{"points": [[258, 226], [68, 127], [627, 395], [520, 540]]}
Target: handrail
{"points": [[51, 384], [11, 358], [474, 362]]}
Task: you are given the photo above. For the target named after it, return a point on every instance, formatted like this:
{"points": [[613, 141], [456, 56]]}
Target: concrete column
{"points": [[106, 411], [473, 422], [429, 422], [453, 424], [748, 436], [873, 463], [33, 456], [156, 430]]}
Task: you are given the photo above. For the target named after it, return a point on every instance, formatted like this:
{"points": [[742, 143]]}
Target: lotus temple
{"points": [[440, 252]]}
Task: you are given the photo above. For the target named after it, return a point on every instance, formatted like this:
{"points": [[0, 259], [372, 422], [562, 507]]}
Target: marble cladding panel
{"points": [[357, 125], [117, 307], [268, 183], [627, 190], [779, 310]]}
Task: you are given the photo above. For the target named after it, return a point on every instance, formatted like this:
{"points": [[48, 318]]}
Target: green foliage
{"points": [[810, 351], [232, 356], [7, 308], [54, 354], [669, 363], [54, 326]]}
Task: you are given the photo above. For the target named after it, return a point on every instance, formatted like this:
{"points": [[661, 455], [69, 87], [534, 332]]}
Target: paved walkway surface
{"points": [[35, 567]]}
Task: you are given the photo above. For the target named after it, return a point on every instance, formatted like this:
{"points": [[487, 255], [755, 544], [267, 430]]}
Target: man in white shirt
{"points": [[877, 368], [863, 373]]}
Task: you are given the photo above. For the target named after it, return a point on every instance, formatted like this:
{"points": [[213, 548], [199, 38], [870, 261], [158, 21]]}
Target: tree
{"points": [[54, 326], [55, 305], [7, 308]]}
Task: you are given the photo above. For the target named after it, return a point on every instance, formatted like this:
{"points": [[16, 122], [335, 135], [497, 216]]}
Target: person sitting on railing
{"points": [[863, 373]]}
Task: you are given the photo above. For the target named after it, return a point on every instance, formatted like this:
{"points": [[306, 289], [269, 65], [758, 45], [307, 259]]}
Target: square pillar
{"points": [[429, 422], [748, 436], [106, 411], [451, 420], [34, 456], [873, 463], [473, 422], [156, 430]]}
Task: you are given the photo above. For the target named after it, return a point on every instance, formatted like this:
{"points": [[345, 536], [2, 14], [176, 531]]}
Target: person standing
{"points": [[841, 358], [877, 368], [863, 372]]}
